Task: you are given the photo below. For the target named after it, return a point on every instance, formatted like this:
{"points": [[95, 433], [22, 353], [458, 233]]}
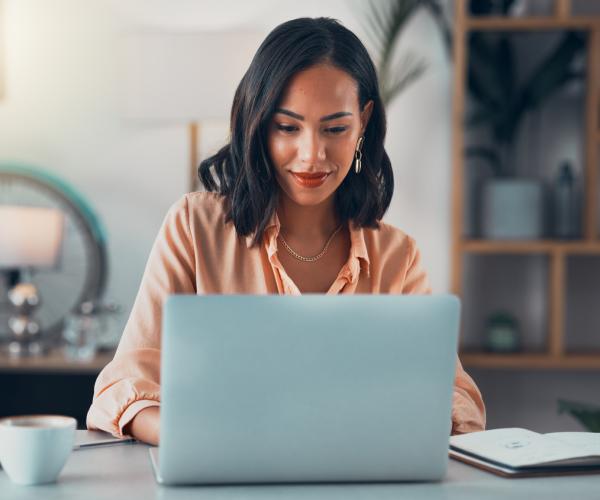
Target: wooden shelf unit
{"points": [[531, 23], [531, 247], [54, 362], [557, 250], [540, 361]]}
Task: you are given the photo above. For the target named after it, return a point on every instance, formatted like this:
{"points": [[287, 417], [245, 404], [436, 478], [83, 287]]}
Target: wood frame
{"points": [[194, 129], [555, 356]]}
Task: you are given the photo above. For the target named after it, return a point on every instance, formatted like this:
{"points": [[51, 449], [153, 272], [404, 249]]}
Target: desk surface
{"points": [[124, 471]]}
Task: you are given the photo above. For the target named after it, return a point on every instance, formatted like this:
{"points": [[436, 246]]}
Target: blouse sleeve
{"points": [[468, 409], [131, 381]]}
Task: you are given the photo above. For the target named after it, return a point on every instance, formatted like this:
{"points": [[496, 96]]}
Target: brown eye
{"points": [[336, 130], [286, 128]]}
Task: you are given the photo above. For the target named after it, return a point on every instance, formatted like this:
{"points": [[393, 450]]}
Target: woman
{"points": [[294, 205]]}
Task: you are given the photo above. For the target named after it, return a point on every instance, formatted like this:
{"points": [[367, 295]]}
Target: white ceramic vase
{"points": [[512, 209]]}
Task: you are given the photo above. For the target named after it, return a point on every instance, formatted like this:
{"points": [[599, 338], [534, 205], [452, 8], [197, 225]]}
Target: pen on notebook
{"points": [[104, 442]]}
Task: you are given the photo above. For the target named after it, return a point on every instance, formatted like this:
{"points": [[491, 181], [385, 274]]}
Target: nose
{"points": [[312, 149]]}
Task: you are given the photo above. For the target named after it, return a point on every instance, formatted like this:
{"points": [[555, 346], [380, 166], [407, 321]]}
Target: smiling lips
{"points": [[310, 180]]}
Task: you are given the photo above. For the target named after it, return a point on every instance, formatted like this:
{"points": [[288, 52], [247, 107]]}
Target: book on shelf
{"points": [[515, 452]]}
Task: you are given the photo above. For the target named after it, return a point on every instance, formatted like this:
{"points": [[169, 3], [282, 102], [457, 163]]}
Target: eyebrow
{"points": [[333, 116]]}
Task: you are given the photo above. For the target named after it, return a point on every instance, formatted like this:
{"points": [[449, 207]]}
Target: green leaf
{"points": [[506, 62], [489, 155], [554, 71], [549, 77], [411, 71], [436, 10], [588, 415], [384, 22], [480, 117], [484, 72]]}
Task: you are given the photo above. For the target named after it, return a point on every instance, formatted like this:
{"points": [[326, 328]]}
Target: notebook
{"points": [[515, 452]]}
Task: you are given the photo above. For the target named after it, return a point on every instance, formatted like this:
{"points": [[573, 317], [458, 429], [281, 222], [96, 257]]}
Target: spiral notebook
{"points": [[515, 452]]}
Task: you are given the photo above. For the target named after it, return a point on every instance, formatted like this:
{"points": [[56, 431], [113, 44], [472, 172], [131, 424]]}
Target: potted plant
{"points": [[511, 207]]}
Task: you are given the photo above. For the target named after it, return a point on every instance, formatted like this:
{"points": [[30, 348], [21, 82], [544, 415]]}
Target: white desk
{"points": [[124, 472]]}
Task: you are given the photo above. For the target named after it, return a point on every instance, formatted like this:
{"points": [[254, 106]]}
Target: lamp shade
{"points": [[184, 77], [30, 236]]}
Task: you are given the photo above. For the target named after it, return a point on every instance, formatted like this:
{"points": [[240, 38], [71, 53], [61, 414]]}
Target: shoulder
{"points": [[390, 242], [198, 213], [199, 207], [394, 254], [205, 215], [206, 203]]}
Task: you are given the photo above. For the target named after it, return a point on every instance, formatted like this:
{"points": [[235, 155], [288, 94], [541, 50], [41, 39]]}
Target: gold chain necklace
{"points": [[314, 257]]}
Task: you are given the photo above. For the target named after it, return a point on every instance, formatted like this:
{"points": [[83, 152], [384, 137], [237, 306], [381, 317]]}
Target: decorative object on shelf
{"points": [[31, 241], [83, 269], [502, 333], [512, 209], [25, 331], [86, 328], [566, 204], [81, 333], [588, 415]]}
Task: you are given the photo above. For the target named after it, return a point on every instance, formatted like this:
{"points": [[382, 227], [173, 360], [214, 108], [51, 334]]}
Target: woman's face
{"points": [[314, 131]]}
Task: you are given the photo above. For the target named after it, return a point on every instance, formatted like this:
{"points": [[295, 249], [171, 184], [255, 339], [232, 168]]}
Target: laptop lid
{"points": [[306, 388]]}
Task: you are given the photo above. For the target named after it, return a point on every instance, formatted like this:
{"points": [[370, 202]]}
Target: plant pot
{"points": [[512, 209]]}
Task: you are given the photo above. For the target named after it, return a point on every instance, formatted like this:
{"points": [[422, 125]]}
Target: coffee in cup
{"points": [[34, 448]]}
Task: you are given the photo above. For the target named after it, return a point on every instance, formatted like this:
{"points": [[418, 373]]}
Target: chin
{"points": [[308, 199], [311, 201]]}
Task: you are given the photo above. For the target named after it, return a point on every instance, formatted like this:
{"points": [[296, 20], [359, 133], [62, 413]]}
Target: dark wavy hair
{"points": [[242, 171]]}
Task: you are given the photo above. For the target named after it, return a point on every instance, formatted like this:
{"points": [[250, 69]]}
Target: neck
{"points": [[307, 223]]}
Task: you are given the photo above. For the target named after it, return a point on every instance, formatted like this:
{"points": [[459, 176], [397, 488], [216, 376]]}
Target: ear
{"points": [[365, 115]]}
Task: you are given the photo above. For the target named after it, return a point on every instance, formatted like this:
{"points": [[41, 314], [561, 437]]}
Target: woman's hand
{"points": [[144, 426]]}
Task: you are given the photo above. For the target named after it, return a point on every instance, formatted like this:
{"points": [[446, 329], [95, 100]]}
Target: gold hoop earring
{"points": [[358, 154]]}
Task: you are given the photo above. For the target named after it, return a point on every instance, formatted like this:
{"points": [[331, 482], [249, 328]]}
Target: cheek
{"points": [[342, 153], [281, 150]]}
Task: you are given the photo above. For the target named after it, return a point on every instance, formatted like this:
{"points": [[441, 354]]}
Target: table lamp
{"points": [[30, 239]]}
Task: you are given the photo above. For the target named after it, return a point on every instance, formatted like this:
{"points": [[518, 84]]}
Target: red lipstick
{"points": [[310, 180]]}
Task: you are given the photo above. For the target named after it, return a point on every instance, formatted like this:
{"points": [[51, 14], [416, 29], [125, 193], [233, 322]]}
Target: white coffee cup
{"points": [[34, 448]]}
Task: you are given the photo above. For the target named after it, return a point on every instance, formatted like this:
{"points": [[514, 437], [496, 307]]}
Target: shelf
{"points": [[55, 362], [531, 361], [552, 262], [530, 247], [499, 23]]}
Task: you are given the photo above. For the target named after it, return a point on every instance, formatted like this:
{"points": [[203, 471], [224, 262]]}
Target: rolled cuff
{"points": [[129, 383], [467, 415], [132, 410]]}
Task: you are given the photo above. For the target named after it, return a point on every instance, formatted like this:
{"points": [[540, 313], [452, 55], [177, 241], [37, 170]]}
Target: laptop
{"points": [[312, 388]]}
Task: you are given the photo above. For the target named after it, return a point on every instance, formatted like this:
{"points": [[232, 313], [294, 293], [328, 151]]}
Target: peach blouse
{"points": [[196, 251]]}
